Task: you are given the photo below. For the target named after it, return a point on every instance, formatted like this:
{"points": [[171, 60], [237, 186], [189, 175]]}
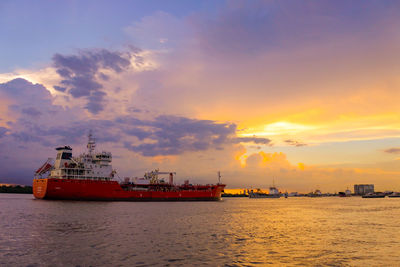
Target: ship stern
{"points": [[40, 188]]}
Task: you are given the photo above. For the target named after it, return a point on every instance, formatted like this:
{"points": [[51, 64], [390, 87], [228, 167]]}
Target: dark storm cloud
{"points": [[27, 136], [82, 74], [26, 91], [59, 88], [94, 104], [3, 131], [34, 112], [71, 134], [140, 133], [16, 87], [294, 143], [163, 135], [31, 100], [39, 126], [394, 150], [81, 86], [31, 111], [76, 132], [256, 140], [173, 135]]}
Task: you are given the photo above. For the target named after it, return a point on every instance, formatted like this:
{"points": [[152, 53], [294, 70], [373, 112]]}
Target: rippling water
{"points": [[234, 232]]}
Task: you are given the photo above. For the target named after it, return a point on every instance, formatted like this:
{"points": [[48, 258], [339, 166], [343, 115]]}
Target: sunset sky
{"points": [[305, 93]]}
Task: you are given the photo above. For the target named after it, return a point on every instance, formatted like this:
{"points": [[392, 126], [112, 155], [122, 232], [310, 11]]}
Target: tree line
{"points": [[16, 189]]}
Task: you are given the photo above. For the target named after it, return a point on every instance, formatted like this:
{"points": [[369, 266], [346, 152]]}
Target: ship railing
{"points": [[83, 177]]}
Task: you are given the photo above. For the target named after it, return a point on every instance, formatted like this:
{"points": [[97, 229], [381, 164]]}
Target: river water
{"points": [[300, 231]]}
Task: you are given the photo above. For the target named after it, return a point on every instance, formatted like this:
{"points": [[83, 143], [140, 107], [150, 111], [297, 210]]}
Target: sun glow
{"points": [[279, 128], [342, 129]]}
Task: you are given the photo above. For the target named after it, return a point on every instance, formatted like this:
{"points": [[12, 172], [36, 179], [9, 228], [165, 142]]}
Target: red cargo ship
{"points": [[91, 177]]}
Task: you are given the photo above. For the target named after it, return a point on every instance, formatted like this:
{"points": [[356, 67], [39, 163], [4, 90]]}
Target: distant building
{"points": [[362, 189]]}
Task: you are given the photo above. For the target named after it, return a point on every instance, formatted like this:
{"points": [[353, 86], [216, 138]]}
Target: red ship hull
{"points": [[74, 189]]}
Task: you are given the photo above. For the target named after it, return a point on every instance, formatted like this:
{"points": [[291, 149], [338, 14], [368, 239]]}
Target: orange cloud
{"points": [[301, 166]]}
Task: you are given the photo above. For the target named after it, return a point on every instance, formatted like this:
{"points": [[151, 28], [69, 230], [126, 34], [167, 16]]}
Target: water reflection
{"points": [[234, 232]]}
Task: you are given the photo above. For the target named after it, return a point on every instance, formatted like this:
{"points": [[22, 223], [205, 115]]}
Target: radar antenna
{"points": [[91, 143]]}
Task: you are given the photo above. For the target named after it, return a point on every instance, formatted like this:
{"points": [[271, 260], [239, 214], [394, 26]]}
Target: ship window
{"points": [[58, 156], [66, 155]]}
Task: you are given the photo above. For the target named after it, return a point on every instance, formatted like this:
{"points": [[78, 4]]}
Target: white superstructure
{"points": [[273, 190], [91, 165]]}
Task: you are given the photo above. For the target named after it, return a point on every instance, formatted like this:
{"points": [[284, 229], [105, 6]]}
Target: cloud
{"points": [[82, 74], [173, 135], [31, 111], [267, 54], [201, 145], [260, 169], [255, 140], [3, 131], [394, 150], [59, 88], [25, 91], [24, 100], [251, 27], [158, 31], [248, 65], [263, 160], [295, 143], [40, 125]]}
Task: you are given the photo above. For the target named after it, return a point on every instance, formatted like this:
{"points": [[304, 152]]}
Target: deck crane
{"points": [[153, 176]]}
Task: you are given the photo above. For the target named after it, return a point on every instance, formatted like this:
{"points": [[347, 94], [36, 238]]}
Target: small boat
{"points": [[346, 193], [273, 193], [394, 194], [316, 193], [374, 195]]}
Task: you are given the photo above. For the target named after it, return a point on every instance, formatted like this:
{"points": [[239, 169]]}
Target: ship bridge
{"points": [[64, 155], [92, 165]]}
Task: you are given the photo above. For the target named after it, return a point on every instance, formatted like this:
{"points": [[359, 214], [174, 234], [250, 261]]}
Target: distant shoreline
{"points": [[16, 189]]}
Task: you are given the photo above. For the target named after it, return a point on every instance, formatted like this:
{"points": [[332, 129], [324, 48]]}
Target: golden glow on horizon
{"points": [[346, 127], [234, 190], [301, 166]]}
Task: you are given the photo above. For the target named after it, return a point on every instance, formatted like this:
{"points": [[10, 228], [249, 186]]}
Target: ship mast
{"points": [[91, 143]]}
